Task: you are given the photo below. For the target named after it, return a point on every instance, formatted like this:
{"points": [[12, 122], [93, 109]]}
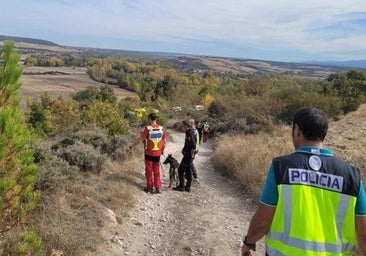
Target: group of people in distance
{"points": [[312, 203], [154, 136]]}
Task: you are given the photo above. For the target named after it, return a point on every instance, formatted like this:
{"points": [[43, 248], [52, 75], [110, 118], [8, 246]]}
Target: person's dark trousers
{"points": [[185, 171]]}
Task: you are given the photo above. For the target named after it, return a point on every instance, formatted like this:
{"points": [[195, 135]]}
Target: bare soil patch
{"points": [[64, 81], [225, 65]]}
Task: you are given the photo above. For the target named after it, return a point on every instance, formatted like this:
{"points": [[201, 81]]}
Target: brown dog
{"points": [[173, 170]]}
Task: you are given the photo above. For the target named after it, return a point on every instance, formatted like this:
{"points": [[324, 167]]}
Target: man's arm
{"points": [[193, 143], [361, 233], [259, 225], [142, 137]]}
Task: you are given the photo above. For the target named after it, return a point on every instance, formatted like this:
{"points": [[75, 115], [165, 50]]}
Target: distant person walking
{"points": [[154, 138], [312, 203], [188, 151], [199, 127], [206, 130]]}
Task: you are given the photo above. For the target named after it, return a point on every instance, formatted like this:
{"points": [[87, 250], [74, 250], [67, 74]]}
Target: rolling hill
{"points": [[27, 40], [195, 63]]}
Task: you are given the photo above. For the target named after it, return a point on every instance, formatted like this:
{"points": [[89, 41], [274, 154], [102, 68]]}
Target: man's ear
{"points": [[296, 131]]}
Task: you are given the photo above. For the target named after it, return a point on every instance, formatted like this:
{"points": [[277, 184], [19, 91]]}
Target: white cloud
{"points": [[305, 26]]}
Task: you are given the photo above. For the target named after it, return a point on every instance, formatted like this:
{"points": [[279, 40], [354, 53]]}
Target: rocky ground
{"points": [[211, 220]]}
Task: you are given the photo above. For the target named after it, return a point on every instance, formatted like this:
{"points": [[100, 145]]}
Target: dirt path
{"points": [[208, 221]]}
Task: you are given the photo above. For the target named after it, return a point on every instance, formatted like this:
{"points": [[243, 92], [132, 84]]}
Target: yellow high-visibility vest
{"points": [[155, 136], [197, 140], [317, 234], [315, 212]]}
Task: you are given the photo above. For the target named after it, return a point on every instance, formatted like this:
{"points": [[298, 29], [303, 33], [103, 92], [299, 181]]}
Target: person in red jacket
{"points": [[154, 137]]}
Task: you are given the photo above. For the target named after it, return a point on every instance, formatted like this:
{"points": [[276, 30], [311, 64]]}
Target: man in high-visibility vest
{"points": [[197, 142], [312, 203], [154, 137]]}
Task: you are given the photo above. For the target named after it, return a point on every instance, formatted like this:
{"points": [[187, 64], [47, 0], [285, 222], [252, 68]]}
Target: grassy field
{"points": [[58, 81]]}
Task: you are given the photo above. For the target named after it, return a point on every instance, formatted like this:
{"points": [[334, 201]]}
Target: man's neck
{"points": [[315, 144]]}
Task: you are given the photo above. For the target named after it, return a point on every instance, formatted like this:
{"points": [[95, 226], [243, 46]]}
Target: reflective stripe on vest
{"points": [[155, 136], [197, 142], [283, 240]]}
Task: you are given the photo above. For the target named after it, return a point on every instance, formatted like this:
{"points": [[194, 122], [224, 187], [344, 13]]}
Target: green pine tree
{"points": [[17, 170]]}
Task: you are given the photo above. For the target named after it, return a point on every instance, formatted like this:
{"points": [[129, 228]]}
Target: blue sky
{"points": [[281, 30]]}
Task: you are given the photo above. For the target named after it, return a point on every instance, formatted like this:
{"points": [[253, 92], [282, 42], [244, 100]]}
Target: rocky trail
{"points": [[210, 220]]}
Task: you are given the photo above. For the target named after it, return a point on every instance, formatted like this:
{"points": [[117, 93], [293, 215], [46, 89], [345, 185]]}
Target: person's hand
{"points": [[247, 248], [245, 251]]}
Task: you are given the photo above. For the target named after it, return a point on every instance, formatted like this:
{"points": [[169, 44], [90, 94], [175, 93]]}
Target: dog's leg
{"points": [[171, 176], [176, 177]]}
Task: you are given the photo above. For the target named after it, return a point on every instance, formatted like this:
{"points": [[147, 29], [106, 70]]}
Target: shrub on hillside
{"points": [[107, 116], [245, 125], [293, 98], [84, 156], [348, 87], [112, 146], [93, 93], [54, 171], [248, 115], [217, 110], [53, 116], [56, 116]]}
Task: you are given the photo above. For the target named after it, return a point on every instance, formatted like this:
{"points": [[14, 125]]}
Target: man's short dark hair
{"points": [[152, 116], [312, 122], [186, 123]]}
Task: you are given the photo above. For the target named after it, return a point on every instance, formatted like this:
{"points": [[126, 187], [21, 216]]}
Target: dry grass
{"points": [[347, 139], [248, 157]]}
